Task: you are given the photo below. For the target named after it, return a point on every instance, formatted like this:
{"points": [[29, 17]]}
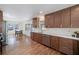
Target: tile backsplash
{"points": [[64, 31], [61, 31]]}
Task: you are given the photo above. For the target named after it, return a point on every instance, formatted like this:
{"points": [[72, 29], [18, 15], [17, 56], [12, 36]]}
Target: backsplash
{"points": [[64, 31], [36, 30]]}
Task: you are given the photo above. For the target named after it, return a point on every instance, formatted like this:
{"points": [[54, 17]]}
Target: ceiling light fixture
{"points": [[41, 12]]}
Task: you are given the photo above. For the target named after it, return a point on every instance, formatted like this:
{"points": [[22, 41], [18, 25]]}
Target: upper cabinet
{"points": [[66, 22], [66, 18], [1, 16], [49, 21], [53, 20], [1, 21], [57, 19], [75, 16], [35, 22]]}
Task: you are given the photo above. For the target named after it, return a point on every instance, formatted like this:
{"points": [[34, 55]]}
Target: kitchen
{"points": [[61, 30], [56, 30]]}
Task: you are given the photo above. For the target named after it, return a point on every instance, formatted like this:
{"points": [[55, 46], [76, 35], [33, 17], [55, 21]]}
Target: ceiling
{"points": [[22, 12]]}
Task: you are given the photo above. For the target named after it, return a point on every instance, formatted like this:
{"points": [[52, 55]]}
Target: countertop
{"points": [[60, 35]]}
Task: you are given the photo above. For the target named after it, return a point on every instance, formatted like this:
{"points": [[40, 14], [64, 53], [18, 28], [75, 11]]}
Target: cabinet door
{"points": [[1, 26], [34, 36], [75, 16], [39, 38], [49, 21], [1, 16], [66, 22], [66, 46], [77, 47], [0, 48], [35, 22], [58, 19], [54, 42], [46, 40], [1, 19]]}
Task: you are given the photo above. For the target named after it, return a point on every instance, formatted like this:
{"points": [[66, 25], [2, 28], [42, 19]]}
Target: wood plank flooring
{"points": [[23, 45]]}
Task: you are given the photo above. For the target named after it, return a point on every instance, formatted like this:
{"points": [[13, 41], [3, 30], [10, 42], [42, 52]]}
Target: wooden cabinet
{"points": [[0, 48], [58, 19], [64, 45], [66, 22], [68, 46], [49, 21], [75, 16], [3, 31], [53, 20], [1, 16], [40, 38], [34, 36], [77, 46], [66, 18], [54, 42], [1, 27], [1, 21], [46, 40], [35, 22]]}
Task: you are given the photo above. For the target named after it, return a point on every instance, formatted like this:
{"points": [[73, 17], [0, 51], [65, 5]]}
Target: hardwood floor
{"points": [[23, 45]]}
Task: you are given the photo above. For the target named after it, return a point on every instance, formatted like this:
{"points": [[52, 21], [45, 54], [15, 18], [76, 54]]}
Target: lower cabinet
{"points": [[34, 36], [46, 40], [0, 48], [39, 38], [64, 45], [54, 42], [68, 46]]}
